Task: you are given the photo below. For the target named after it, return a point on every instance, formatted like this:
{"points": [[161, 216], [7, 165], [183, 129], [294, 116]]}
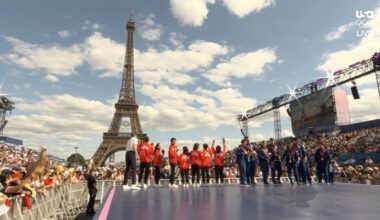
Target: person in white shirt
{"points": [[130, 161]]}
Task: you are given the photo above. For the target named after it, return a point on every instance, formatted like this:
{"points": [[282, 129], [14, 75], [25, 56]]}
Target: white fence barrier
{"points": [[62, 202]]}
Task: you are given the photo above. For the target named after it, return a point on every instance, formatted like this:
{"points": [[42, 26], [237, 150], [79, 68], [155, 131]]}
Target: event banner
{"points": [[314, 113]]}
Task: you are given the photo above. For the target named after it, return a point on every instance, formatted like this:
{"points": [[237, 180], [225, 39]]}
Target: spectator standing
{"points": [[92, 190]]}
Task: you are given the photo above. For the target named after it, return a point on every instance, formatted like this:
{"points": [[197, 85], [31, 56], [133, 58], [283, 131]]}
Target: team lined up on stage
{"points": [[248, 157]]}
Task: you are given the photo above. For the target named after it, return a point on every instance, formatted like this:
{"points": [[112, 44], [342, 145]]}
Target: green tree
{"points": [[76, 159]]}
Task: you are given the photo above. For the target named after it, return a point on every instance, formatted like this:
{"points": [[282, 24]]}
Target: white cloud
{"points": [[51, 58], [199, 108], [104, 55], [198, 54], [51, 78], [152, 34], [366, 47], [192, 13], [96, 26], [361, 110], [59, 121], [175, 66], [64, 33], [336, 33], [242, 65], [91, 25], [176, 39], [151, 30], [242, 8]]}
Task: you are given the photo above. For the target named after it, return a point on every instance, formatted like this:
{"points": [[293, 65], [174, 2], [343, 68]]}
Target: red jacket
{"points": [[206, 158], [145, 151], [184, 162], [173, 155], [218, 157], [157, 162], [195, 157]]}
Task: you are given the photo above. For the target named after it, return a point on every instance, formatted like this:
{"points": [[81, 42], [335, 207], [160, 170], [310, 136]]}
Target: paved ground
{"points": [[340, 201]]}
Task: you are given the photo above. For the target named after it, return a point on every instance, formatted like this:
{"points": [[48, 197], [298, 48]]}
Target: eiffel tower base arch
{"points": [[110, 145]]}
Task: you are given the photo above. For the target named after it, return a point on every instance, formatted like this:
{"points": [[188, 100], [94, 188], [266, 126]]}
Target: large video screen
{"points": [[313, 114]]}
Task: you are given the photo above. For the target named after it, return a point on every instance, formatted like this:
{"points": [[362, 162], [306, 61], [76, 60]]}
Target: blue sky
{"points": [[198, 64]]}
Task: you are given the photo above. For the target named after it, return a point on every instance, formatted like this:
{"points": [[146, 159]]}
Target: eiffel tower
{"points": [[126, 108]]}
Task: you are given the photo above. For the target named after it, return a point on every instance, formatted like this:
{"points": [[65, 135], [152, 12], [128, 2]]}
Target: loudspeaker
{"points": [[311, 130], [355, 93]]}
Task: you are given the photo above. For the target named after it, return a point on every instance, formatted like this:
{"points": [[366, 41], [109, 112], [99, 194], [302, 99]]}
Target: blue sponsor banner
{"points": [[360, 157]]}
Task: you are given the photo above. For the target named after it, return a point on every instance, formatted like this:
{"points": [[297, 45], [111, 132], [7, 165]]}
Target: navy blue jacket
{"points": [[263, 160], [289, 157], [302, 152], [239, 152], [322, 160]]}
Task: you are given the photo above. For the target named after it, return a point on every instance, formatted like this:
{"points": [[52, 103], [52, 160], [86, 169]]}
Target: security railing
{"points": [[62, 202]]}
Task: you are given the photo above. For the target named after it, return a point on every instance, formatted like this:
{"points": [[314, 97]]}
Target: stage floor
{"points": [[339, 201]]}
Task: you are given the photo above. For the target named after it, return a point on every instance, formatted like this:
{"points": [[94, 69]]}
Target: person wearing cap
{"points": [[10, 183], [145, 151], [130, 161], [92, 190], [173, 161]]}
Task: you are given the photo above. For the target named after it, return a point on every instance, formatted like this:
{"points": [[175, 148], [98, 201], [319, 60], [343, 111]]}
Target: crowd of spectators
{"points": [[14, 164]]}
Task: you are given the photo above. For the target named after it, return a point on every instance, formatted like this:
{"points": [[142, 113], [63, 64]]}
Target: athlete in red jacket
{"points": [[219, 160], [145, 151], [205, 165], [184, 166], [157, 162], [195, 157], [173, 161]]}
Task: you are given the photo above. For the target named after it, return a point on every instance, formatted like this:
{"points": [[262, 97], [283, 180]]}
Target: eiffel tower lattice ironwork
{"points": [[126, 107]]}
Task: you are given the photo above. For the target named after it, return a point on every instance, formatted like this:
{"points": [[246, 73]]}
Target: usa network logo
{"points": [[363, 19]]}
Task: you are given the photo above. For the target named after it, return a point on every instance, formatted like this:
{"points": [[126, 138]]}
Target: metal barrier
{"points": [[62, 202]]}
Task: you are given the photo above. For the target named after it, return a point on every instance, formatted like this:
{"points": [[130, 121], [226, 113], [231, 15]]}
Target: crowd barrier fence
{"points": [[62, 202]]}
